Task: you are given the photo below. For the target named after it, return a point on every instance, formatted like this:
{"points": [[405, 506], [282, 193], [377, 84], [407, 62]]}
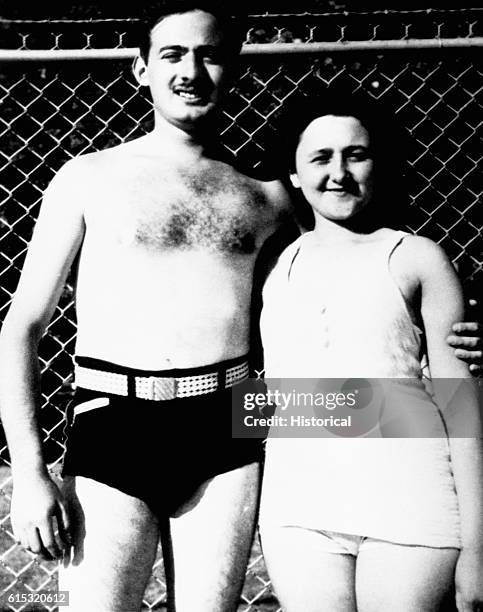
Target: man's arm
{"points": [[55, 242], [456, 396]]}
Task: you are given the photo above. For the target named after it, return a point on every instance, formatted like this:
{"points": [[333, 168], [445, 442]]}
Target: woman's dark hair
{"points": [[232, 25], [388, 142]]}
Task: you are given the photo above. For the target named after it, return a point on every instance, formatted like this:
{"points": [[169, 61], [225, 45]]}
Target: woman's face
{"points": [[335, 167]]}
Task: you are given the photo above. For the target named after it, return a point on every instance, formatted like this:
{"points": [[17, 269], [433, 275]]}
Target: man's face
{"points": [[185, 68]]}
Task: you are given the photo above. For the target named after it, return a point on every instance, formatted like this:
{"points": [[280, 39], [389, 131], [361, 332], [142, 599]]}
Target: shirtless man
{"points": [[167, 235]]}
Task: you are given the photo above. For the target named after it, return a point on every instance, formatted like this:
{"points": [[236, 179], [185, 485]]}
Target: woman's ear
{"points": [[139, 70], [294, 179]]}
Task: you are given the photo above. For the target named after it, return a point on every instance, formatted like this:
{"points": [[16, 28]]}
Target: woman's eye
{"points": [[322, 159]]}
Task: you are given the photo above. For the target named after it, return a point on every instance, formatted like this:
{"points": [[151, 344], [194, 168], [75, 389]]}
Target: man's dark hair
{"points": [[230, 21]]}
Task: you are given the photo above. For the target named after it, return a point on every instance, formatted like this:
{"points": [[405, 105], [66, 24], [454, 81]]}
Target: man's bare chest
{"points": [[192, 210]]}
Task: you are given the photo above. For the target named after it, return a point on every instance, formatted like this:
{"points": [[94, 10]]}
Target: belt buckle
{"points": [[163, 388]]}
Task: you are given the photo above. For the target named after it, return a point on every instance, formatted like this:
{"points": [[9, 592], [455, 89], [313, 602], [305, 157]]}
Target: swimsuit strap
{"points": [[389, 247], [393, 241]]}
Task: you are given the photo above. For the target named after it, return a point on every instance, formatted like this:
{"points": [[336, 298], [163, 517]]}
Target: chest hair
{"points": [[213, 210]]}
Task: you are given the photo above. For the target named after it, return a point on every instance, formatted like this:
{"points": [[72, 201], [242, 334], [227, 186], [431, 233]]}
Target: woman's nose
{"points": [[337, 169]]}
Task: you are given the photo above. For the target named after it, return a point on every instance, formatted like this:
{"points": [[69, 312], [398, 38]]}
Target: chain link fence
{"points": [[57, 103]]}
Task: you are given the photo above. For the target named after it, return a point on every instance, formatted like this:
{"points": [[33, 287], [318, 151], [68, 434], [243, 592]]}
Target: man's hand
{"points": [[39, 517], [466, 339], [469, 587]]}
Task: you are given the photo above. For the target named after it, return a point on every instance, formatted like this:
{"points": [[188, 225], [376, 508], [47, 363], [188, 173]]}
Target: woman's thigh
{"points": [[405, 578], [306, 572]]}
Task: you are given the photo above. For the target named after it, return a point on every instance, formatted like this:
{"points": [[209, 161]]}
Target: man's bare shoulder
{"points": [[89, 172], [70, 182], [267, 182], [105, 157], [79, 169], [277, 195], [85, 178]]}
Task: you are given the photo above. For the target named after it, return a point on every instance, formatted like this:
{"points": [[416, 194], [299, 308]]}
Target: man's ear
{"points": [[294, 179], [139, 70]]}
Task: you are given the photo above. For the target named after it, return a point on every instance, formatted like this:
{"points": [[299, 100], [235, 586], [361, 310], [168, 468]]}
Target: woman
{"points": [[357, 523]]}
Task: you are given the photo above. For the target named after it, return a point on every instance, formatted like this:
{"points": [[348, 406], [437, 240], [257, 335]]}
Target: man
{"points": [[168, 235]]}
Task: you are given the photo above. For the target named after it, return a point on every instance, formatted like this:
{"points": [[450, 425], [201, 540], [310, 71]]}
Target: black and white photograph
{"points": [[241, 316]]}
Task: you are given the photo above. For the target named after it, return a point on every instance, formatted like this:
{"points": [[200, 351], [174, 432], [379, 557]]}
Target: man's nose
{"points": [[190, 67]]}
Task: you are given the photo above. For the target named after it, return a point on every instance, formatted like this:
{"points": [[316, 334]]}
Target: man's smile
{"points": [[190, 93]]}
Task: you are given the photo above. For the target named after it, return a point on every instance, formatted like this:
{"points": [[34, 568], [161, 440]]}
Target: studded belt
{"points": [[159, 388]]}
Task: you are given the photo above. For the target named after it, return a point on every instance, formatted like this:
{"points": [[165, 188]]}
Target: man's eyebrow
{"points": [[185, 49], [172, 48]]}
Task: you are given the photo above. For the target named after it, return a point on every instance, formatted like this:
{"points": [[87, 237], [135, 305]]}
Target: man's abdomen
{"points": [[182, 310]]}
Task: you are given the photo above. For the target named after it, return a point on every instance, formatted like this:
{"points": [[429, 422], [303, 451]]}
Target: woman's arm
{"points": [[456, 394]]}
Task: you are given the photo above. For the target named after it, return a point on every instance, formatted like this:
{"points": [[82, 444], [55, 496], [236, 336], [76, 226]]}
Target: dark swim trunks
{"points": [[157, 451]]}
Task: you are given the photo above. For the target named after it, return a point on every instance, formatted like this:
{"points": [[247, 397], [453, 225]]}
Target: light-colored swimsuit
{"points": [[344, 316]]}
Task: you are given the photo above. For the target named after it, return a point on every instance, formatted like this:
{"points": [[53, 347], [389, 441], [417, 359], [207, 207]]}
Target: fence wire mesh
{"points": [[52, 112]]}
